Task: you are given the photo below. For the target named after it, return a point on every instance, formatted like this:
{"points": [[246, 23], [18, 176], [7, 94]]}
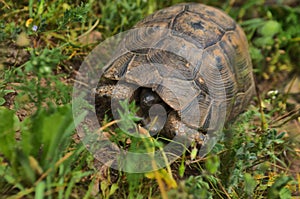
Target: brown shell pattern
{"points": [[208, 50]]}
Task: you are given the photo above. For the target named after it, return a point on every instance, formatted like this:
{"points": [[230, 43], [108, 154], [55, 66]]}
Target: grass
{"points": [[43, 43]]}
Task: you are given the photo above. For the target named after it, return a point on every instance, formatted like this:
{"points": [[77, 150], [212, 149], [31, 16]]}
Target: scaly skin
{"points": [[172, 125]]}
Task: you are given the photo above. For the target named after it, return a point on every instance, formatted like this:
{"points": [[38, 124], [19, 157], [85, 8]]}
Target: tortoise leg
{"points": [[175, 127], [153, 111], [108, 98], [103, 96], [118, 91]]}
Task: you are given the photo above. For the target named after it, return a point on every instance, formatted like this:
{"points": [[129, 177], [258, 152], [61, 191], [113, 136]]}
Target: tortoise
{"points": [[188, 65]]}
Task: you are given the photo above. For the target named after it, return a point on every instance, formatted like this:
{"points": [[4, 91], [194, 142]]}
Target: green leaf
{"points": [[40, 190], [27, 172], [5, 92], [256, 54], [113, 189], [104, 187], [253, 23], [212, 164], [2, 101], [7, 134], [281, 135], [47, 134], [270, 28], [250, 184], [264, 41], [27, 138], [194, 153], [277, 186], [285, 193], [56, 130], [41, 8], [182, 168]]}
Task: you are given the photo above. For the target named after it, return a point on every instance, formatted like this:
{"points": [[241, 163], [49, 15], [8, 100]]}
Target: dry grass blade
{"points": [[264, 124], [281, 120], [59, 162]]}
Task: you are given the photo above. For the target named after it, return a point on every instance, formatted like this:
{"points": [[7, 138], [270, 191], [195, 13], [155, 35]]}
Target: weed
{"points": [[118, 16], [78, 14], [42, 86], [274, 34], [40, 152], [3, 84], [239, 166]]}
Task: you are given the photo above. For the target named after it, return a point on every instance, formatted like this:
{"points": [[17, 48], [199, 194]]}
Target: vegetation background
{"points": [[42, 45]]}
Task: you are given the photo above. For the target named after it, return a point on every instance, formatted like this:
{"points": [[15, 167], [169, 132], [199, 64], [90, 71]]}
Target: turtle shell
{"points": [[195, 57]]}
